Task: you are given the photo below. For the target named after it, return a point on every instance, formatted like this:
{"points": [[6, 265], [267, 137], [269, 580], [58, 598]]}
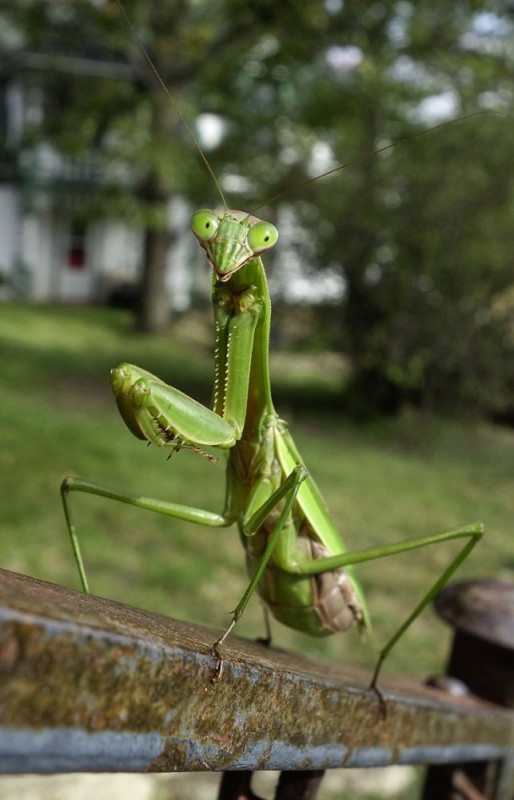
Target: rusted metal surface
{"points": [[483, 608], [481, 660], [91, 685]]}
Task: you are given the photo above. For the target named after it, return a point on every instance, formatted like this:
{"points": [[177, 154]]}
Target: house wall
{"points": [[36, 247], [38, 254]]}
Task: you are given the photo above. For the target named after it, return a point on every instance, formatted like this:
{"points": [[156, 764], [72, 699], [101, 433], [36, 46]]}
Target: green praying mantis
{"points": [[296, 559]]}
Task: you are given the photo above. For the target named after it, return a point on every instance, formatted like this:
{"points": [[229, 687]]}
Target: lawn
{"points": [[383, 482]]}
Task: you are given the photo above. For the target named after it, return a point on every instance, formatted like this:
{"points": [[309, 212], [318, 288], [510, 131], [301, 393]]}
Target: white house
{"points": [[48, 254]]}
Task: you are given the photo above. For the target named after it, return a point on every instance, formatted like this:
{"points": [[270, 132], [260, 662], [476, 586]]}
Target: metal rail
{"points": [[91, 685]]}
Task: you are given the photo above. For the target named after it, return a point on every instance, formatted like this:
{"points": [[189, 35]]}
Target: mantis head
{"points": [[231, 238]]}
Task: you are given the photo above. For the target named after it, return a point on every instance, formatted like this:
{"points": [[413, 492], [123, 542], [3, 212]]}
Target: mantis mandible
{"points": [[295, 555]]}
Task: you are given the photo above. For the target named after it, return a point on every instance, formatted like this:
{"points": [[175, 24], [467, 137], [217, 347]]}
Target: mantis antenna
{"points": [[367, 157], [174, 104], [352, 162]]}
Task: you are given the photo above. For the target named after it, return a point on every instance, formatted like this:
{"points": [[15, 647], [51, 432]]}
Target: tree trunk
{"points": [[154, 312]]}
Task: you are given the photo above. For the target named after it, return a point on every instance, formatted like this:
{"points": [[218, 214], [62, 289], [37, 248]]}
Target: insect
{"points": [[296, 559]]}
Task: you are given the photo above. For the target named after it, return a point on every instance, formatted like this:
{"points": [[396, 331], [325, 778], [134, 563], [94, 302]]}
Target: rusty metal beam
{"points": [[91, 685]]}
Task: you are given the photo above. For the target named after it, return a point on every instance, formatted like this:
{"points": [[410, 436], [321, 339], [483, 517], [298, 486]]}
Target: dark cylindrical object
{"points": [[299, 785], [292, 785], [236, 786], [482, 657]]}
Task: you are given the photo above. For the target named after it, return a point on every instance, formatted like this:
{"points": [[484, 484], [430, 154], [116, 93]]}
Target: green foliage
{"points": [[420, 234]]}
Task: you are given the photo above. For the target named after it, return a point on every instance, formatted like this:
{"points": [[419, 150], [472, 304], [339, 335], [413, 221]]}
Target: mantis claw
{"points": [[215, 652], [382, 706], [217, 670]]}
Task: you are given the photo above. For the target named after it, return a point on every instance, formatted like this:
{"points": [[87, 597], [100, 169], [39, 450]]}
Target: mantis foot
{"points": [[382, 707], [217, 670]]}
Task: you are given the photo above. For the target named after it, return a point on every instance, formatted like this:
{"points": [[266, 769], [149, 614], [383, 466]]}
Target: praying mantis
{"points": [[296, 558]]}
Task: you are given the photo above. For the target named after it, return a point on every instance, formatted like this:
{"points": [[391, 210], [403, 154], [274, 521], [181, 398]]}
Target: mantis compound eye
{"points": [[262, 236], [204, 224]]}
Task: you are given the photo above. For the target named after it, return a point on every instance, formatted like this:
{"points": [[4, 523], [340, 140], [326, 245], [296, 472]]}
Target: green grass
{"points": [[383, 482]]}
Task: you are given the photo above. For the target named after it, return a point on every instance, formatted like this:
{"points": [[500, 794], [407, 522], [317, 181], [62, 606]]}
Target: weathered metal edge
{"points": [[74, 750], [90, 685]]}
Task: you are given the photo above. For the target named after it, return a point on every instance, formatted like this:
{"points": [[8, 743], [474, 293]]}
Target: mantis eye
{"points": [[204, 224], [262, 236]]}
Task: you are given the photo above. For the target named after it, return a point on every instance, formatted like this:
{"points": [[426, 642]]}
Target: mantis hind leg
{"points": [[286, 492], [472, 533]]}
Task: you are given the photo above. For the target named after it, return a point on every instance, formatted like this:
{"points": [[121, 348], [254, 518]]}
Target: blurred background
{"points": [[392, 285]]}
